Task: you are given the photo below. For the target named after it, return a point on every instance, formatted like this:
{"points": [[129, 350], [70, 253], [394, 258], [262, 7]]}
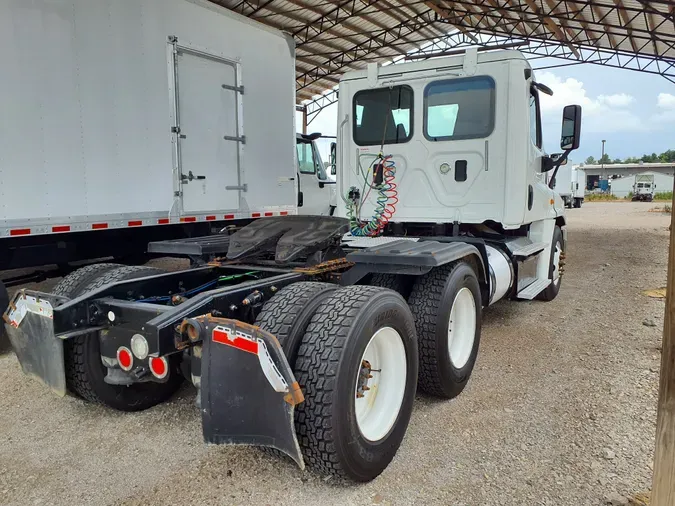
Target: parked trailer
{"points": [[310, 334], [111, 139]]}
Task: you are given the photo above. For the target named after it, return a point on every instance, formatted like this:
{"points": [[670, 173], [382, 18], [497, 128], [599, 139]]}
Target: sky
{"points": [[634, 112]]}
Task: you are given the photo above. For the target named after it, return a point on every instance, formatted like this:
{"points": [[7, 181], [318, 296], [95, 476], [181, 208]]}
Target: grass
{"points": [[663, 196], [600, 197]]}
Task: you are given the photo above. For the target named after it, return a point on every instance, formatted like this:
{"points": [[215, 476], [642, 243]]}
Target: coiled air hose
{"points": [[385, 207]]}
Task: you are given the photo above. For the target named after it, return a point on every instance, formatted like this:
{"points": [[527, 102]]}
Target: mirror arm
{"points": [[558, 163]]}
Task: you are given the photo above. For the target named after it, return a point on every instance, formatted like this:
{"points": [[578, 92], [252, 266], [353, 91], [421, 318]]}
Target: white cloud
{"points": [[665, 101], [604, 113], [616, 100]]}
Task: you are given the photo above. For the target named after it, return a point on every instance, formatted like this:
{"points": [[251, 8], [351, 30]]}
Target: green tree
{"points": [[590, 160], [605, 159]]}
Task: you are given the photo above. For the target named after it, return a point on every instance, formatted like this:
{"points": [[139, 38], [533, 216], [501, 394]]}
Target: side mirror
{"points": [[559, 159], [571, 127], [332, 158]]}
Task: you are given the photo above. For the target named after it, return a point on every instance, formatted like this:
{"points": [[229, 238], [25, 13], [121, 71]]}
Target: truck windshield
{"points": [[383, 116], [459, 109]]}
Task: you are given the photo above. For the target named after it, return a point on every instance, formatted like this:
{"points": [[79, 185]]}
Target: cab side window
{"points": [[535, 118]]}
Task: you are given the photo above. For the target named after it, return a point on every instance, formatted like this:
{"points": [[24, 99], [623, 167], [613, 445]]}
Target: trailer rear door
{"points": [[208, 101]]}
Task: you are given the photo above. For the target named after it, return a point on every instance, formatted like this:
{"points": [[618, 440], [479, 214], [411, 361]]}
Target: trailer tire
{"points": [[557, 248], [578, 202], [332, 421], [4, 303], [442, 332], [85, 372]]}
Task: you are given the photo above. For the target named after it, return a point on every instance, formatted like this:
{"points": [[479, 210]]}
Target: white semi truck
{"points": [[311, 334], [644, 188], [570, 184]]}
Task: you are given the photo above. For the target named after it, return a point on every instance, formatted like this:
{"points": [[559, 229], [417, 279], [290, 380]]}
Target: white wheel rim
{"points": [[462, 328], [556, 262], [377, 407]]}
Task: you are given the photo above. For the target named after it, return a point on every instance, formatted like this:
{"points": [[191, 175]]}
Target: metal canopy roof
{"points": [[333, 36]]}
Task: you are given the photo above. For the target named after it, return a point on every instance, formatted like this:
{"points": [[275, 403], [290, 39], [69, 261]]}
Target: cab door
{"points": [[315, 189]]}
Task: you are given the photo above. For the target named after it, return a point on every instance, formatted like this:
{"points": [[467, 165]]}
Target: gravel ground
{"points": [[561, 409]]}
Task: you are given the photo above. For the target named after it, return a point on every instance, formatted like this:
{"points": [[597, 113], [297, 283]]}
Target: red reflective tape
{"points": [[163, 221], [20, 231], [188, 219], [222, 337], [269, 214], [99, 226], [210, 218], [229, 216], [136, 223], [283, 213], [61, 228], [255, 215]]}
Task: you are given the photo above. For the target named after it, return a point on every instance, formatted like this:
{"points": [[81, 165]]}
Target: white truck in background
{"points": [[644, 188], [570, 183]]}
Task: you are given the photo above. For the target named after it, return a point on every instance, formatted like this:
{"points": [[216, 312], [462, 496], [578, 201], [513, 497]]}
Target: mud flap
{"points": [[29, 323], [248, 391]]}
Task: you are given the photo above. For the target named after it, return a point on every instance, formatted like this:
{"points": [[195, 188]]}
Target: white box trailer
{"points": [[124, 122]]}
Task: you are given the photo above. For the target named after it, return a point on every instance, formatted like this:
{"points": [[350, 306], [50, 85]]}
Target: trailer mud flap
{"points": [[29, 323], [248, 391]]}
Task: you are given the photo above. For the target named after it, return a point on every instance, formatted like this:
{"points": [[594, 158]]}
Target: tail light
{"points": [[159, 367], [124, 358]]}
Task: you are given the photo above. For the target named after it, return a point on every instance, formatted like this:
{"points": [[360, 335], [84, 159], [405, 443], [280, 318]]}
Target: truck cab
{"points": [[316, 191]]}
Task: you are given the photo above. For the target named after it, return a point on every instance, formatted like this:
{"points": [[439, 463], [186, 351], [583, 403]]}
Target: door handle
{"points": [[190, 177]]}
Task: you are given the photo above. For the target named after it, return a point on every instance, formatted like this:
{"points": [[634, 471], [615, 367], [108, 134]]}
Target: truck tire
{"points": [[578, 202], [286, 316], [85, 372], [288, 313], [74, 283], [557, 248], [400, 283], [360, 342], [4, 303], [447, 307]]}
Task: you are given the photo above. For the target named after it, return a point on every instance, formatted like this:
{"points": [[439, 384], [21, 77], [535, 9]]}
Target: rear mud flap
{"points": [[29, 324], [248, 391]]}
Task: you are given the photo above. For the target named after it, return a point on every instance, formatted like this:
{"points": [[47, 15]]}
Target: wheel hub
{"points": [[364, 376]]}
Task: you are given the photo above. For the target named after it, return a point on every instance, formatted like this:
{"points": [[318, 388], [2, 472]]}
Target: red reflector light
{"points": [[163, 221], [269, 214], [255, 215], [20, 231], [283, 213], [135, 223], [159, 367], [124, 358], [99, 226], [210, 218], [188, 219], [61, 228], [229, 216]]}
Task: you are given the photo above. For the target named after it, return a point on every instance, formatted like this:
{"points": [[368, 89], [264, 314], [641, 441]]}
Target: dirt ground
{"points": [[561, 409]]}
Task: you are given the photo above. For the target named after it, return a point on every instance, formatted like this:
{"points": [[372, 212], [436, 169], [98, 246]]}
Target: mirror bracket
{"points": [[556, 165]]}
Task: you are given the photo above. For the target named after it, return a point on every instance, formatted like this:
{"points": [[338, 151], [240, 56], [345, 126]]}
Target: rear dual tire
{"points": [[85, 372], [344, 429], [447, 307]]}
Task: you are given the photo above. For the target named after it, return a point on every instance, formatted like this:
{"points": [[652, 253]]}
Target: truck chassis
{"points": [[296, 338]]}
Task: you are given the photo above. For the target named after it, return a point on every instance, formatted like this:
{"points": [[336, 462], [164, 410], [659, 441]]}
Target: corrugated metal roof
{"points": [[333, 36]]}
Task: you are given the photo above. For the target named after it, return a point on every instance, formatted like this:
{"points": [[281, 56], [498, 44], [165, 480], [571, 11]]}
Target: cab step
{"points": [[531, 291]]}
